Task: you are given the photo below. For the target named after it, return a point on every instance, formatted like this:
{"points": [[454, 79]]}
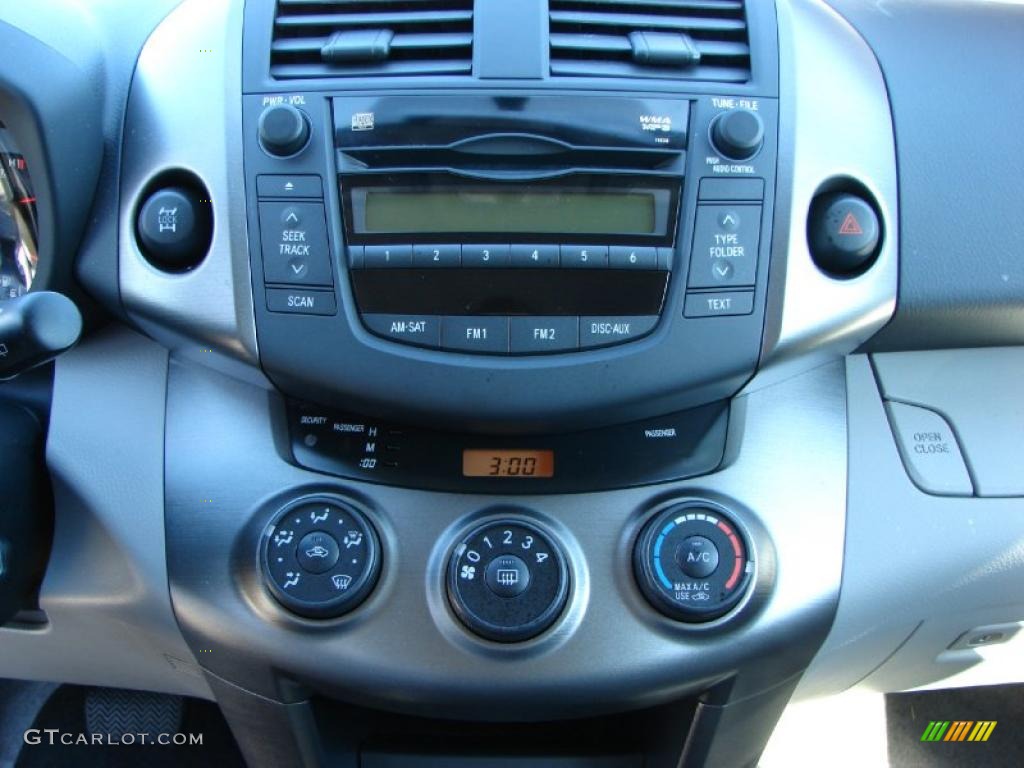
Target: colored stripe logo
{"points": [[959, 730]]}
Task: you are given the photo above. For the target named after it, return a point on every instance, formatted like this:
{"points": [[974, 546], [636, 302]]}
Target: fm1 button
{"points": [[318, 552], [697, 557], [507, 576]]}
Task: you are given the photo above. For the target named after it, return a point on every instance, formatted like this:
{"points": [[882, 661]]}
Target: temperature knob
{"points": [[692, 562], [738, 133]]}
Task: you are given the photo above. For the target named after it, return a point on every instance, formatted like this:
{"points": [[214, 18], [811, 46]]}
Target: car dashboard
{"points": [[557, 382]]}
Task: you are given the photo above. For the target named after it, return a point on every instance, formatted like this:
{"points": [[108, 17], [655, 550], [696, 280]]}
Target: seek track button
{"points": [[295, 252]]}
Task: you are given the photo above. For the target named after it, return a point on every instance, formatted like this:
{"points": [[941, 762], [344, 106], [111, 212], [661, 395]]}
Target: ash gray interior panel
{"points": [[105, 594], [979, 392], [919, 570], [961, 276], [786, 486]]}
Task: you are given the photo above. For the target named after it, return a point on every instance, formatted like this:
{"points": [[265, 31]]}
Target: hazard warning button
{"points": [[843, 233]]}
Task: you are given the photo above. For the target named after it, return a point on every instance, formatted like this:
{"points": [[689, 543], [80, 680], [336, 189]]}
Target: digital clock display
{"points": [[515, 463]]}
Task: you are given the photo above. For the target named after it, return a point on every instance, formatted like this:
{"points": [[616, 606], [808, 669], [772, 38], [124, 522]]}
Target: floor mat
{"points": [[908, 716], [66, 712]]}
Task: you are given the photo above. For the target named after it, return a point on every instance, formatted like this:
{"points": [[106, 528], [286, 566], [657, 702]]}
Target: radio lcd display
{"points": [[583, 208], [542, 211]]}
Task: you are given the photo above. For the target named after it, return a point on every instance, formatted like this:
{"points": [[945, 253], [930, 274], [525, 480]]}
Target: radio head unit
{"points": [[593, 258], [503, 185]]}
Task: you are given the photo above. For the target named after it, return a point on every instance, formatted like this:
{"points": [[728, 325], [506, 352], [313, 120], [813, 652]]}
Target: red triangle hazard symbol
{"points": [[850, 226]]}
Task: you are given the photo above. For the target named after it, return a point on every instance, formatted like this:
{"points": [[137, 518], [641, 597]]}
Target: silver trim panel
{"points": [[185, 112], [105, 593], [404, 650], [834, 123]]}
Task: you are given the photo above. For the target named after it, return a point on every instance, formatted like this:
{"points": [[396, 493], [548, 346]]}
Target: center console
{"points": [[493, 428]]}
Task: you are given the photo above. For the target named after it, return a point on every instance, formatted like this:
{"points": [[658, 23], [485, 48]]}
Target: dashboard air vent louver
{"points": [[676, 39], [345, 38]]}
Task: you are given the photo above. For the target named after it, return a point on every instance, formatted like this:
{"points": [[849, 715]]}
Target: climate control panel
{"points": [[692, 562]]}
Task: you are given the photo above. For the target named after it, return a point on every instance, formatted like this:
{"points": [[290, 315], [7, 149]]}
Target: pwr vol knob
{"points": [[692, 562]]}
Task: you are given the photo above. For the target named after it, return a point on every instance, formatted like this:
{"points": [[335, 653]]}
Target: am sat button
{"points": [[421, 330], [719, 304], [301, 302], [602, 331]]}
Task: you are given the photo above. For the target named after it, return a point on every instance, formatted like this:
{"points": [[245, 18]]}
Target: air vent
{"points": [[677, 39], [346, 38]]}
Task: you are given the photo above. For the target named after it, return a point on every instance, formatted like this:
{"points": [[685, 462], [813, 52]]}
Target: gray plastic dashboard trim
{"points": [[185, 113], [403, 651], [834, 124], [105, 592], [919, 570]]}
